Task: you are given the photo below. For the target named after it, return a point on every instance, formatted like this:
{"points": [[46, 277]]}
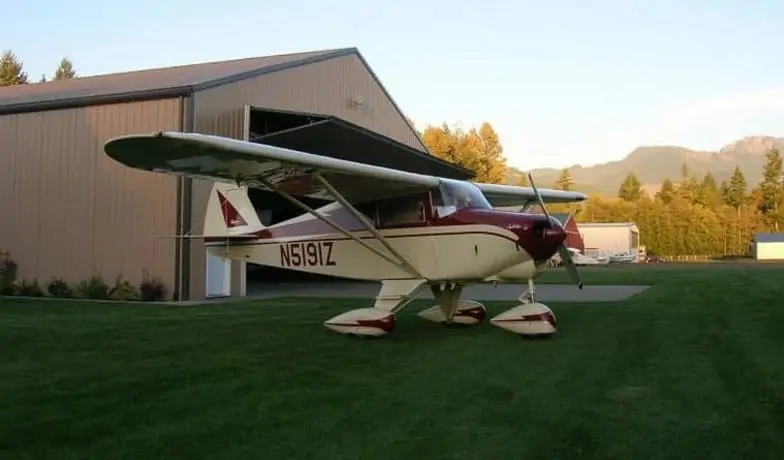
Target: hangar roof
{"points": [[769, 237], [178, 81], [151, 83], [607, 224]]}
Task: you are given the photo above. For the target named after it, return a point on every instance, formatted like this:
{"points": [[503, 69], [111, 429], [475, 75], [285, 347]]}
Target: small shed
{"points": [[768, 246]]}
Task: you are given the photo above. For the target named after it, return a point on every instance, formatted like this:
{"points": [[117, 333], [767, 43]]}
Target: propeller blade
{"points": [[566, 256], [571, 268], [539, 198]]}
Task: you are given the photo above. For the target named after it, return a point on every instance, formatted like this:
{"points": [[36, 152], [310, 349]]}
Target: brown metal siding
{"points": [[69, 211], [324, 87]]}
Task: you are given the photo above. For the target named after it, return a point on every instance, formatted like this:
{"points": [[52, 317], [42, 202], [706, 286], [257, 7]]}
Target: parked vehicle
{"points": [[580, 259], [623, 258], [652, 259]]}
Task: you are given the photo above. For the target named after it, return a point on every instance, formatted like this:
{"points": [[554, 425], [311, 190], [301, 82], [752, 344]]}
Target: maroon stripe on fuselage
{"points": [[340, 237], [541, 245]]}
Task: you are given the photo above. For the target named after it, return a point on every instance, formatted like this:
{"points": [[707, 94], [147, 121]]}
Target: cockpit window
{"points": [[455, 195]]}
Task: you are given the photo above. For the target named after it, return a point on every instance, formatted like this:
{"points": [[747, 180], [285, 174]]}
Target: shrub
{"points": [[123, 290], [8, 269], [59, 288], [30, 289], [152, 289], [93, 288], [9, 288]]}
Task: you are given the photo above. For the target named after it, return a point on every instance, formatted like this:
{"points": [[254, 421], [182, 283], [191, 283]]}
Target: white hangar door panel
{"points": [[218, 276]]}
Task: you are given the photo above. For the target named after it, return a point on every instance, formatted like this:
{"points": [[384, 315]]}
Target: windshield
{"points": [[457, 194]]}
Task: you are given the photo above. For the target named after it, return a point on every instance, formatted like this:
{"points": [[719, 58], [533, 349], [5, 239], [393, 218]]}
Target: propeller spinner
{"points": [[566, 256]]}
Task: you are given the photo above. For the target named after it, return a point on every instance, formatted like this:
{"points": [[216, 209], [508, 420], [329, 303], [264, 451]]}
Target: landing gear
{"points": [[530, 318], [450, 310], [381, 318], [528, 295]]}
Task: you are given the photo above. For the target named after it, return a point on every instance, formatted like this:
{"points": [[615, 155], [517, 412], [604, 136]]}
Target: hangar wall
{"points": [[609, 238], [322, 88], [69, 211]]}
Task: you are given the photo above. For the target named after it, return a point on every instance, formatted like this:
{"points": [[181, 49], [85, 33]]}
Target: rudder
{"points": [[230, 212]]}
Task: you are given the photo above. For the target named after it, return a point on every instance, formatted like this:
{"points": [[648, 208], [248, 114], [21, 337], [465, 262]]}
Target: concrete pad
{"points": [[481, 292]]}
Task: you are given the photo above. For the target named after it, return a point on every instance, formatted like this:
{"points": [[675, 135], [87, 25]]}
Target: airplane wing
{"points": [[227, 160], [509, 195]]}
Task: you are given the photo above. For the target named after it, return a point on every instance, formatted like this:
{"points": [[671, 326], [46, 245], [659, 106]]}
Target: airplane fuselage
{"points": [[467, 245]]}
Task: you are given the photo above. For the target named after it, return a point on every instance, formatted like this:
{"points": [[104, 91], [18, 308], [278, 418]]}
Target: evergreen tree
{"points": [[708, 192], [666, 192], [65, 70], [724, 190], [737, 189], [11, 70], [687, 189], [770, 189], [630, 189], [564, 181]]}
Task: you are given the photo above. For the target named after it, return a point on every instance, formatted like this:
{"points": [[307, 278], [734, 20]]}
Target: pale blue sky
{"points": [[581, 82]]}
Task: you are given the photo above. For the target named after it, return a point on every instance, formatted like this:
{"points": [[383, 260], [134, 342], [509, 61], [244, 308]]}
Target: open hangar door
{"points": [[332, 137], [261, 126]]}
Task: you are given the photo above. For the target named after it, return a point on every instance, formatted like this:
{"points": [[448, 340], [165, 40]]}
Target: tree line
{"points": [[697, 216], [12, 70], [689, 215]]}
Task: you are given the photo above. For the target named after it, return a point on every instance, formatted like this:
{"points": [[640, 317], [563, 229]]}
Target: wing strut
{"points": [[334, 225], [368, 225]]}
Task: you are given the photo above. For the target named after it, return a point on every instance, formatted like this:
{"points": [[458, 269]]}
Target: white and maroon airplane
{"points": [[409, 231]]}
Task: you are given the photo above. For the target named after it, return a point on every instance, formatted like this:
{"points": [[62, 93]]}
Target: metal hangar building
{"points": [[69, 211], [609, 238]]}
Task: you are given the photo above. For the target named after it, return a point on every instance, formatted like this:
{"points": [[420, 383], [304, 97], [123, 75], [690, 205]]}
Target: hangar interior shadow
{"points": [[271, 207]]}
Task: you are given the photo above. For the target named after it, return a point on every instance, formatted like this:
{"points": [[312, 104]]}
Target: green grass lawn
{"points": [[691, 368]]}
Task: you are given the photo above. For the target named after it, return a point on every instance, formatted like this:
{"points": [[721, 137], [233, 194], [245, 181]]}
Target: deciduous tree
{"points": [[478, 150]]}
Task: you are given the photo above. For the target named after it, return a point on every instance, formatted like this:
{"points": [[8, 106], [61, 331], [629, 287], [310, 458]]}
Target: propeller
{"points": [[563, 251]]}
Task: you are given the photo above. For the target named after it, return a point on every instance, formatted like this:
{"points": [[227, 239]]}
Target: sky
{"points": [[564, 83]]}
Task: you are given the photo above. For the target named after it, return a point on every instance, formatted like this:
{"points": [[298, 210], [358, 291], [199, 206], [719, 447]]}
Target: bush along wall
{"points": [[151, 289]]}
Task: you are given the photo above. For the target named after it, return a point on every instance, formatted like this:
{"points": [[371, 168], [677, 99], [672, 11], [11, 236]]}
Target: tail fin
{"points": [[230, 212]]}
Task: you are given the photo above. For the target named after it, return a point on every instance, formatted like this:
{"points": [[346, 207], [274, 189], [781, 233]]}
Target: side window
{"points": [[439, 208], [401, 211]]}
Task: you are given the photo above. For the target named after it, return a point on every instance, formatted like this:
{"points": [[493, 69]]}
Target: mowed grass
{"points": [[691, 368]]}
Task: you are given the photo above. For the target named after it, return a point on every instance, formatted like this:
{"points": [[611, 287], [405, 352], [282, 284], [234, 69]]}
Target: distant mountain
{"points": [[652, 164]]}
